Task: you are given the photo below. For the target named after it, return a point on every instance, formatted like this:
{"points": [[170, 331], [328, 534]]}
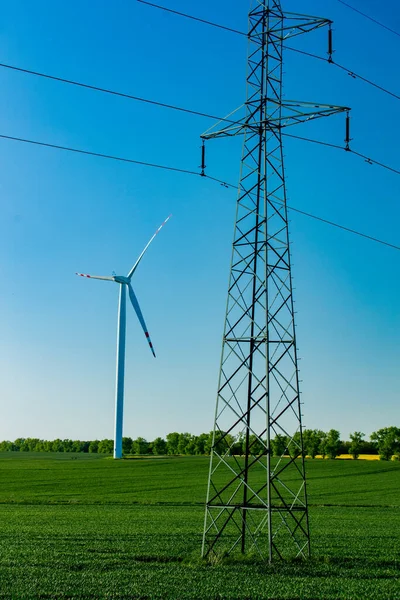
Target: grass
{"points": [[81, 526]]}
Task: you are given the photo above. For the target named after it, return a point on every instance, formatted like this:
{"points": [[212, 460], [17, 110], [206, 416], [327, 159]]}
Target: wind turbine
{"points": [[125, 282]]}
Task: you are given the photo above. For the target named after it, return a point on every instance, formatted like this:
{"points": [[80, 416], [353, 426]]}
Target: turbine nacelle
{"points": [[121, 279]]}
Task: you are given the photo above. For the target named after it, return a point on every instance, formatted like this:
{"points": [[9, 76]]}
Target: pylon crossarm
{"points": [[295, 117]]}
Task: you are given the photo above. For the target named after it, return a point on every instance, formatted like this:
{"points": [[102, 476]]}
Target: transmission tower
{"points": [[257, 503]]}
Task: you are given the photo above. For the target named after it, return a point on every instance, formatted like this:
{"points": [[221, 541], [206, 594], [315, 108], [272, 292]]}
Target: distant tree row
{"points": [[385, 442]]}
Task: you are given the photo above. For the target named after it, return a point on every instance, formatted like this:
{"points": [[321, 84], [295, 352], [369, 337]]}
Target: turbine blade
{"points": [[136, 307], [131, 272], [95, 277]]}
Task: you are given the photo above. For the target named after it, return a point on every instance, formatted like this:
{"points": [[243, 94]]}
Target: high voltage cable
{"points": [[181, 108], [98, 154], [357, 76], [202, 114], [330, 61], [332, 223], [368, 17], [189, 172], [105, 90], [96, 88], [367, 159], [181, 14], [343, 68]]}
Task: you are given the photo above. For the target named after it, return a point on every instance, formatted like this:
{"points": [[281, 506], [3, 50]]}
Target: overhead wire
{"points": [[369, 17], [369, 81], [105, 90], [316, 56], [181, 14], [97, 154], [321, 219], [367, 159], [189, 172], [182, 108], [202, 114]]}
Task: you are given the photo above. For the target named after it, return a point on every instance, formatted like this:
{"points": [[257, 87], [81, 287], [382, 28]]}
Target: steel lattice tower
{"points": [[256, 503]]}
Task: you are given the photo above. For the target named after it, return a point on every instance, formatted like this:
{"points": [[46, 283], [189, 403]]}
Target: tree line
{"points": [[385, 442]]}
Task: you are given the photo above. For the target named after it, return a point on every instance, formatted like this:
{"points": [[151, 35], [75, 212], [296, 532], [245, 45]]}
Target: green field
{"points": [[85, 526]]}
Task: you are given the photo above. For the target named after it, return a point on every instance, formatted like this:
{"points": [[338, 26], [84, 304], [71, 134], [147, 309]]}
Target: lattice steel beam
{"points": [[256, 503]]}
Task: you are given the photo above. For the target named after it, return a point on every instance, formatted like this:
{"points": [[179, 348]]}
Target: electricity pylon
{"points": [[257, 504]]}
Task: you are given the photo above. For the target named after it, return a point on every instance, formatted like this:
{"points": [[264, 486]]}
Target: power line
{"points": [[316, 56], [189, 172], [343, 68], [305, 53], [181, 14], [183, 109], [357, 76], [321, 219], [180, 108], [370, 18], [98, 154], [367, 159], [202, 114], [354, 231], [107, 91]]}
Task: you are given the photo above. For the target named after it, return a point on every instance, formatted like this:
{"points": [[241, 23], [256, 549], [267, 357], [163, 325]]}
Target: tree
{"points": [[294, 445], [256, 447], [322, 445], [230, 444], [223, 442], [67, 445], [387, 441], [140, 446], [201, 443], [80, 446], [356, 444], [106, 447], [127, 445], [185, 443], [30, 444], [57, 445], [279, 444], [191, 445], [6, 446], [19, 444], [172, 442], [85, 446], [159, 446], [94, 446], [312, 441], [333, 443], [237, 446]]}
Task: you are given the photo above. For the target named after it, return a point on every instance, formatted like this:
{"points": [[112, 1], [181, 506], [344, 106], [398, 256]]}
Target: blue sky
{"points": [[63, 213]]}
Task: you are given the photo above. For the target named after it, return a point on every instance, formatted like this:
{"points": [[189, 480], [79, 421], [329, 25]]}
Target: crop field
{"points": [[85, 526]]}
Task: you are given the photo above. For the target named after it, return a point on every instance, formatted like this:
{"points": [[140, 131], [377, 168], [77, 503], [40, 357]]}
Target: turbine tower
{"points": [[257, 503], [124, 282]]}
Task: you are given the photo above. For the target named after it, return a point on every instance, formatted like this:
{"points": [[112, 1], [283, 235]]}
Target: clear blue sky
{"points": [[63, 213]]}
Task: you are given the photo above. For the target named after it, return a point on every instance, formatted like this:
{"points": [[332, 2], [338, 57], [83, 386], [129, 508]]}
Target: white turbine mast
{"points": [[125, 282]]}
